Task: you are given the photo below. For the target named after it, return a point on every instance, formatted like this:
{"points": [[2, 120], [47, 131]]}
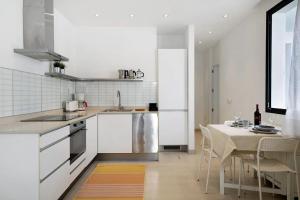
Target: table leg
{"points": [[288, 183], [222, 180]]}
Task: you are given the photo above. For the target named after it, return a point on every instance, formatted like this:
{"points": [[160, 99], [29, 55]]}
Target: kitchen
{"points": [[92, 87]]}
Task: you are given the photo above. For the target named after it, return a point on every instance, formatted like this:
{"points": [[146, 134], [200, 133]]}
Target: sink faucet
{"points": [[119, 96]]}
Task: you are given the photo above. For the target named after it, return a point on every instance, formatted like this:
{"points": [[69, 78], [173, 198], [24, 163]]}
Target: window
{"points": [[280, 34]]}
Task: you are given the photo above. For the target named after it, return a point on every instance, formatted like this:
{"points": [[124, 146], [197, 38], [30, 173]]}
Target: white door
{"points": [[215, 95], [172, 77], [173, 128], [91, 139], [115, 133]]}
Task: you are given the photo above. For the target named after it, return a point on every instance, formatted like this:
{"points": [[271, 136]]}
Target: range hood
{"points": [[38, 31]]}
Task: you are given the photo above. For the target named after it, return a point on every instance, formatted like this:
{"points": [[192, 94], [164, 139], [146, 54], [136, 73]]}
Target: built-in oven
{"points": [[77, 140]]}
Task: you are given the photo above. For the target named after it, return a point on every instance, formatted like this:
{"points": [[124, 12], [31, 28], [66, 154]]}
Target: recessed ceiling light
{"points": [[132, 15], [225, 16], [166, 15], [200, 42], [97, 15], [210, 32]]}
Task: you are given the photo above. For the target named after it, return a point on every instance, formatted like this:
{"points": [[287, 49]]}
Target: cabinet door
{"points": [[172, 78], [115, 133], [173, 128], [55, 185], [53, 157], [91, 139]]}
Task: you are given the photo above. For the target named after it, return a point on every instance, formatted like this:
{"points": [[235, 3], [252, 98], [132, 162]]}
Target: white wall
{"points": [[93, 52], [172, 41], [102, 51], [199, 88], [11, 22], [64, 39], [190, 41], [241, 56]]}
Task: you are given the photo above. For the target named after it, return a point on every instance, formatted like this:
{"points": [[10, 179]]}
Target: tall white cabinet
{"points": [[172, 77]]}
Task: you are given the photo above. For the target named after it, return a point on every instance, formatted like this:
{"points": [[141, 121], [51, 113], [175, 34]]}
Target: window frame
{"points": [[268, 98]]}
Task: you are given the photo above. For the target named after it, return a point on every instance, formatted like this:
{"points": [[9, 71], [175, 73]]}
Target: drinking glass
{"points": [[246, 124]]}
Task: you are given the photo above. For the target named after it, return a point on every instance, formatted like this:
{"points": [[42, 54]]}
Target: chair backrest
{"points": [[274, 144], [206, 135]]}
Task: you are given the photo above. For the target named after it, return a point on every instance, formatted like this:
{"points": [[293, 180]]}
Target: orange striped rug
{"points": [[114, 182]]}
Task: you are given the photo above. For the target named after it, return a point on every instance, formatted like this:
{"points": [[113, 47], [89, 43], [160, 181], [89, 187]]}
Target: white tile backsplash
{"points": [[26, 92], [51, 93], [132, 93], [23, 92], [67, 89], [6, 97]]}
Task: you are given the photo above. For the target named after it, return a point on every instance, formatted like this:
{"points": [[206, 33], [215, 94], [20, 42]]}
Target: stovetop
{"points": [[49, 118]]}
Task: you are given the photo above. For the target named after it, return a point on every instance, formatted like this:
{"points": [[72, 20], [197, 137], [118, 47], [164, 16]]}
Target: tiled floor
{"points": [[174, 178]]}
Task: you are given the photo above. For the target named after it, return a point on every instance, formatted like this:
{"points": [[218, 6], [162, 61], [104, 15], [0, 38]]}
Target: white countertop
{"points": [[13, 124]]}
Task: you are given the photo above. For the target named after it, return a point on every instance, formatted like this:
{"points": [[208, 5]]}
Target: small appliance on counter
{"points": [[82, 104], [70, 106], [153, 107]]}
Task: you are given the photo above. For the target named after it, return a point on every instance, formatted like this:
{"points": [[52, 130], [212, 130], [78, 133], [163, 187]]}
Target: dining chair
{"points": [[206, 148], [262, 164]]}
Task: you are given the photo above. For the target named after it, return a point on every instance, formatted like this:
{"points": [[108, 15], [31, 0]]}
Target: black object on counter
{"points": [[153, 107]]}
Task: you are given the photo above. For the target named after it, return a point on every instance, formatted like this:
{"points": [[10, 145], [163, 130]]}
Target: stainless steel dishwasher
{"points": [[145, 134]]}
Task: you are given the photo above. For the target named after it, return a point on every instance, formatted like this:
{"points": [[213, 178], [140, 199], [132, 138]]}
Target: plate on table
{"points": [[264, 131], [265, 128]]}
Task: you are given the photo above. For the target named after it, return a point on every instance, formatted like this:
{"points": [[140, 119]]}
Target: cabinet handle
{"points": [[77, 166]]}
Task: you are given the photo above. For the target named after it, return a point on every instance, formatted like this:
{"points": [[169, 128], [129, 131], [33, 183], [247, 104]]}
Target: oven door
{"points": [[77, 144]]}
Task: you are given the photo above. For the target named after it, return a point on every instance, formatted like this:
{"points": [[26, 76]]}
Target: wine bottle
{"points": [[257, 116]]}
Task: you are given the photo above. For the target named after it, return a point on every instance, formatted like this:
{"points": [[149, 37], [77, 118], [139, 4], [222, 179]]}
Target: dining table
{"points": [[227, 140]]}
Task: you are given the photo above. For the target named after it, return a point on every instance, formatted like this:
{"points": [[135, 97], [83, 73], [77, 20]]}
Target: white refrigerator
{"points": [[172, 96]]}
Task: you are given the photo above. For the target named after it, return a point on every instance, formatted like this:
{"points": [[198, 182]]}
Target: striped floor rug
{"points": [[114, 182]]}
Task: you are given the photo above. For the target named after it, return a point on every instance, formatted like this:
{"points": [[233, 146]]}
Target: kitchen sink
{"points": [[119, 110]]}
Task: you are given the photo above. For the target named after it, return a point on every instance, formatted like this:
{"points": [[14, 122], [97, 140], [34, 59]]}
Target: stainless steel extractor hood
{"points": [[38, 31]]}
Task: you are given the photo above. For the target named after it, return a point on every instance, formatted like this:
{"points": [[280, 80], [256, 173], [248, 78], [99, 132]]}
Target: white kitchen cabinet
{"points": [[55, 185], [50, 138], [28, 159], [172, 79], [91, 139], [172, 99], [52, 157], [115, 133], [173, 128]]}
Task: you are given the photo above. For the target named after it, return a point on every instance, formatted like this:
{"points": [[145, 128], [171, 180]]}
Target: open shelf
{"points": [[73, 78]]}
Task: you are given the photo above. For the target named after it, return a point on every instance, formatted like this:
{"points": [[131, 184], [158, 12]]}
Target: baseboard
{"points": [[76, 180], [173, 148], [128, 157]]}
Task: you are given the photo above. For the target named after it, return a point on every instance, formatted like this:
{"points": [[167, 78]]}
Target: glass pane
{"points": [[283, 23]]}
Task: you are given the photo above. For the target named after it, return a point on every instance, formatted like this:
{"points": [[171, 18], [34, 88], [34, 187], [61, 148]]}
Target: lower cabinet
{"points": [[173, 128], [91, 139], [115, 133], [55, 185]]}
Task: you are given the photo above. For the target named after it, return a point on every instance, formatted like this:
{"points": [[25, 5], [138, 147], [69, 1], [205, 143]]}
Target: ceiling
{"points": [[206, 15]]}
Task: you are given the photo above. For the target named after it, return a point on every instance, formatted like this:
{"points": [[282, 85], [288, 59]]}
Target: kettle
{"points": [[139, 74]]}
